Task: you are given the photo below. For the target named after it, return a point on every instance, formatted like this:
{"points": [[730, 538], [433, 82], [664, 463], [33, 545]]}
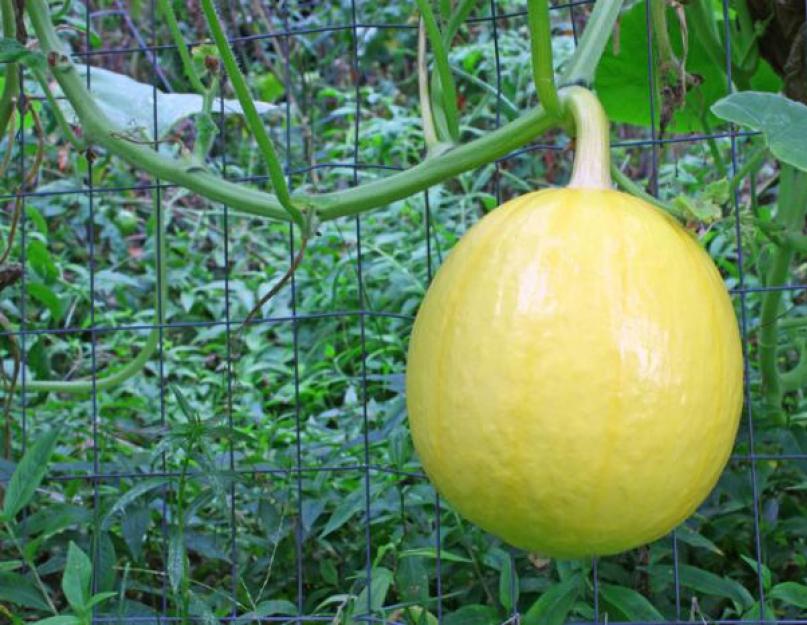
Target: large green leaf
{"points": [[622, 80], [77, 578], [782, 121], [708, 583], [553, 607], [21, 591], [29, 474], [632, 605], [791, 593], [129, 104]]}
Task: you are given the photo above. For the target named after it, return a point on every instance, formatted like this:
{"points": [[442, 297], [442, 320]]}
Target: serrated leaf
{"points": [[77, 578], [782, 122], [21, 591], [791, 593], [634, 606], [554, 605], [29, 474]]}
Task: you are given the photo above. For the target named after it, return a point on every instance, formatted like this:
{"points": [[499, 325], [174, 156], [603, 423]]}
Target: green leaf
{"points": [[274, 607], [381, 580], [77, 578], [129, 496], [554, 605], [473, 615], [55, 518], [38, 256], [704, 212], [782, 121], [632, 605], [349, 507], [692, 538], [176, 560], [508, 585], [12, 51], [412, 580], [128, 103], [63, 619], [45, 296], [101, 597], [622, 81], [29, 474], [754, 614], [791, 593], [710, 584], [766, 572], [430, 552], [21, 591], [269, 87], [10, 565]]}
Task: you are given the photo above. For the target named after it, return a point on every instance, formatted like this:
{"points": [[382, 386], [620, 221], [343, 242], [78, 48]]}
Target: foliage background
{"points": [[281, 449]]}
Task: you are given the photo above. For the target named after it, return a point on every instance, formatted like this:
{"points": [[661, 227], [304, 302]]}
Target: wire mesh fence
{"points": [[300, 483]]}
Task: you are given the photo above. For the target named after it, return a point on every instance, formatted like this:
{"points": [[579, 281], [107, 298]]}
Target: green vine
{"points": [[541, 45], [496, 144]]}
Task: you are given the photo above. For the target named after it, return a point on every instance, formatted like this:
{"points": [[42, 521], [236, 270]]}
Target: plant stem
{"points": [[426, 114], [495, 144], [583, 65], [253, 120], [751, 165], [449, 90], [98, 129], [541, 44], [167, 9], [634, 189], [666, 55], [592, 158], [135, 365], [791, 209], [57, 112], [352, 201], [11, 87]]}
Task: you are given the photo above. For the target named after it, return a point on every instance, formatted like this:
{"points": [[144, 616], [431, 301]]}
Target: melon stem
{"points": [[592, 159]]}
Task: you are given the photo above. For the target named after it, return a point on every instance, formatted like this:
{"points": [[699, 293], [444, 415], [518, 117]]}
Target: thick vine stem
{"points": [[542, 67], [354, 200], [592, 160], [581, 67], [791, 209]]}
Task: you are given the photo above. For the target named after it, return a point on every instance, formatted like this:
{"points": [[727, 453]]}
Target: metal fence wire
{"points": [[304, 488]]}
